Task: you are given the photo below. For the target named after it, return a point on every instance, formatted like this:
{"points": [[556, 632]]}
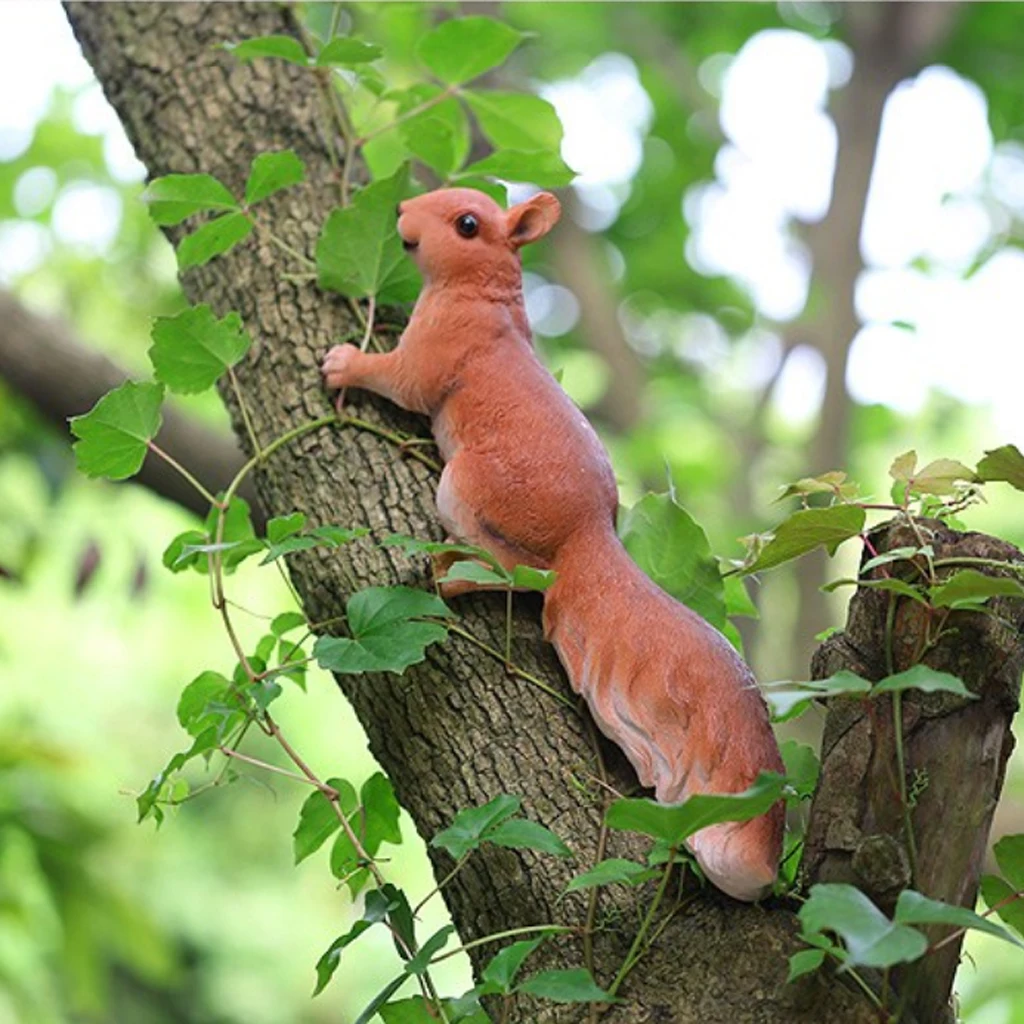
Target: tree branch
{"points": [[43, 361]]}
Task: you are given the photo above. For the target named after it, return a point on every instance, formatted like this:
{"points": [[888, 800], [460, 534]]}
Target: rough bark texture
{"points": [[955, 750], [455, 730], [44, 363]]}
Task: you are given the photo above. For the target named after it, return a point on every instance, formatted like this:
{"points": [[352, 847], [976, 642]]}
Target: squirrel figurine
{"points": [[527, 479]]}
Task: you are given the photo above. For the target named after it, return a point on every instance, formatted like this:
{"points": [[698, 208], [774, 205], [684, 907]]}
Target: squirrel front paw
{"points": [[337, 365]]}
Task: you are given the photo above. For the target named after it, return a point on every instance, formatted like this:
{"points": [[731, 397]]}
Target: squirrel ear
{"points": [[533, 219]]}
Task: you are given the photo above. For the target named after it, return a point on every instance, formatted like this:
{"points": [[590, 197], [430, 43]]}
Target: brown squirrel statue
{"points": [[527, 479]]}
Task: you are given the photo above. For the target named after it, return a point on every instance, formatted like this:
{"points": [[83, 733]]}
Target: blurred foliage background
{"points": [[794, 246]]}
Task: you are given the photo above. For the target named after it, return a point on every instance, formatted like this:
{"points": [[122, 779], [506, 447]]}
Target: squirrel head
{"points": [[461, 234]]}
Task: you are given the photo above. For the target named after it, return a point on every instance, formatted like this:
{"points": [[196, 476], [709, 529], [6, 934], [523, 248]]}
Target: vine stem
{"points": [[958, 932], [329, 791], [175, 464], [550, 929], [440, 885], [388, 435], [513, 669], [635, 951], [407, 116], [246, 418]]}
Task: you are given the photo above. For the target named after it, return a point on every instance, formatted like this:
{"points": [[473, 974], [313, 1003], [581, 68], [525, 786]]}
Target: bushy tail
{"points": [[672, 692]]}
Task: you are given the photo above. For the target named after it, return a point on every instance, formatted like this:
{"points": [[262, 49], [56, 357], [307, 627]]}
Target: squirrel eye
{"points": [[467, 225]]}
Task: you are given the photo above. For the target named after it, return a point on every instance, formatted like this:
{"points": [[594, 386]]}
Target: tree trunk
{"points": [[455, 730]]}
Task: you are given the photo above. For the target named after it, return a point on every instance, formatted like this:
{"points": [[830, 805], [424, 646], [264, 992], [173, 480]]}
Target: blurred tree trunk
{"points": [[455, 730], [889, 42]]}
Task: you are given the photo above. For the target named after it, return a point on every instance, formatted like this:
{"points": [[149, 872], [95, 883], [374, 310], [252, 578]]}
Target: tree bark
{"points": [[455, 730], [43, 361]]}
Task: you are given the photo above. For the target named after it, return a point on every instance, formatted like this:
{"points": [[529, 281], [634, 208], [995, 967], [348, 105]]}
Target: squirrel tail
{"points": [[672, 692]]}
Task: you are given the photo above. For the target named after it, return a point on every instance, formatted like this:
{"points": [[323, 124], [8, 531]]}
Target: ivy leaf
{"points": [[806, 530], [903, 466], [515, 120], [501, 972], [462, 49], [969, 588], [1005, 463], [318, 820], [466, 831], [320, 536], [474, 572], [285, 47], [214, 238], [607, 872], [833, 482], [207, 688], [913, 908], [520, 834], [421, 961], [565, 986], [526, 577], [380, 813], [346, 51], [387, 634], [377, 908], [677, 822], [870, 937], [542, 168], [415, 546], [440, 135], [175, 557], [271, 172], [113, 436], [281, 527], [375, 1004], [1004, 900], [1009, 852], [668, 544], [238, 533], [191, 350], [802, 768], [928, 680], [286, 622], [359, 248], [940, 477], [789, 699], [804, 962], [175, 197]]}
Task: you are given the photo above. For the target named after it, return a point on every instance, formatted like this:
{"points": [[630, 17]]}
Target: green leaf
{"points": [[377, 908], [175, 197], [565, 986], [473, 572], [804, 962], [346, 51], [380, 999], [408, 1011], [178, 555], [902, 468], [359, 250], [526, 577], [928, 680], [114, 434], [214, 238], [737, 598], [438, 135], [1009, 852], [421, 961], [320, 536], [238, 534], [466, 831], [896, 555], [281, 527], [520, 834], [286, 622], [607, 872], [970, 588], [318, 820], [1005, 463], [675, 823], [285, 47], [516, 120], [806, 530], [190, 351], [205, 689], [870, 937], [941, 477], [890, 583], [668, 544], [542, 168], [833, 482], [913, 908], [462, 49], [789, 699], [387, 634], [380, 813], [271, 172], [415, 546], [1004, 900], [802, 767], [499, 194], [504, 966]]}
